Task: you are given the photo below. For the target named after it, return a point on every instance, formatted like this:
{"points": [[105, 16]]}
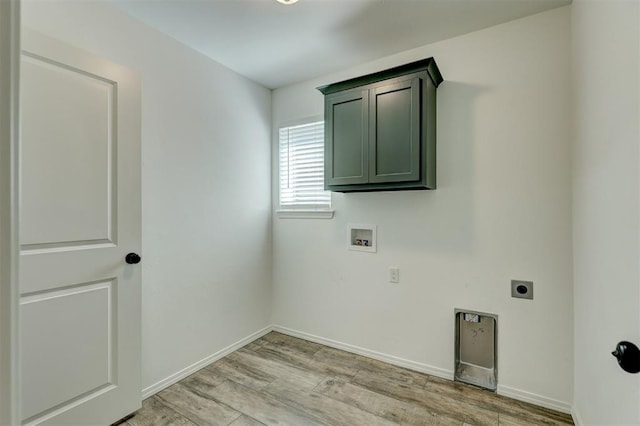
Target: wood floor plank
{"points": [[439, 403], [505, 420], [381, 405], [203, 377], [254, 346], [307, 363], [448, 421], [373, 366], [155, 413], [291, 344], [259, 405], [278, 369], [201, 411], [245, 420], [248, 375], [320, 406], [503, 405]]}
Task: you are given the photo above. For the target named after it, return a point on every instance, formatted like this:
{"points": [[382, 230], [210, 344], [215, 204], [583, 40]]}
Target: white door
{"points": [[79, 218]]}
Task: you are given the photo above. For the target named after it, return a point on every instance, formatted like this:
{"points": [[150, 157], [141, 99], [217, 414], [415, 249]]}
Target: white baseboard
{"points": [[400, 362], [535, 399], [577, 420], [187, 371]]}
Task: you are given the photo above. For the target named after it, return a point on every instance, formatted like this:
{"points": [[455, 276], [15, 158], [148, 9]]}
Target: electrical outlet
{"points": [[522, 289], [394, 274]]}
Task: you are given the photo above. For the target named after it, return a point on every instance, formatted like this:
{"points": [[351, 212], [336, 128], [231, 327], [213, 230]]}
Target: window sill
{"points": [[305, 214]]}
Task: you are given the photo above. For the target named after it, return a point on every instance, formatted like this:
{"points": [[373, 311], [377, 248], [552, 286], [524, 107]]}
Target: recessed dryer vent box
{"points": [[362, 238], [476, 359]]}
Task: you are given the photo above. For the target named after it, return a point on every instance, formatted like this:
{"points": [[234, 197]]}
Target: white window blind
{"points": [[302, 167]]}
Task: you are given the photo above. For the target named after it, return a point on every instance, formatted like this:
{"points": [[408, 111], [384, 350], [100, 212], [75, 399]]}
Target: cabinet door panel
{"points": [[394, 135], [346, 156]]}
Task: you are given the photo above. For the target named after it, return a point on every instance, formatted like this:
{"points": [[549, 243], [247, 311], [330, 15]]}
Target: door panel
{"points": [[394, 138], [346, 160], [80, 216], [90, 362], [68, 157]]}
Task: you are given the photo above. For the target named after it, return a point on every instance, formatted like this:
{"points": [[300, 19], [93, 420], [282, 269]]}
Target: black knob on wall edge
{"points": [[132, 258], [628, 356]]}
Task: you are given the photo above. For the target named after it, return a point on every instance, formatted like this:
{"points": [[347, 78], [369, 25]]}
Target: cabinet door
{"points": [[346, 153], [394, 135]]}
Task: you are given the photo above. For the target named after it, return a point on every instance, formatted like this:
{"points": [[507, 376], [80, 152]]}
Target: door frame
{"points": [[9, 226]]}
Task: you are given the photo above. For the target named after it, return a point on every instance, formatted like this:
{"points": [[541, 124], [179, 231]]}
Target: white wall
{"points": [[502, 211], [606, 210], [206, 150]]}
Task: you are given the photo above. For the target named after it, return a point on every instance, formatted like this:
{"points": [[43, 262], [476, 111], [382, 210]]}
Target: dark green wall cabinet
{"points": [[380, 130]]}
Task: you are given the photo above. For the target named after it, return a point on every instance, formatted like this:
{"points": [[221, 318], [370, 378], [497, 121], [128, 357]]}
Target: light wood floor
{"points": [[281, 380]]}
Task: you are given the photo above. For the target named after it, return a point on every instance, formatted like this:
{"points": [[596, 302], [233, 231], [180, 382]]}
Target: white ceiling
{"points": [[276, 45]]}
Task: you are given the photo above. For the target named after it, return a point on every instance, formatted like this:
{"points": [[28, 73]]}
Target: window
{"points": [[302, 168]]}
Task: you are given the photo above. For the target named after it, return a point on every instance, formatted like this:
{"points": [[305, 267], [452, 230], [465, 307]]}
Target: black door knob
{"points": [[132, 258], [628, 356]]}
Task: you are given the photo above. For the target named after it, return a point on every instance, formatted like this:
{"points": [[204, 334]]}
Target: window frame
{"points": [[300, 211]]}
